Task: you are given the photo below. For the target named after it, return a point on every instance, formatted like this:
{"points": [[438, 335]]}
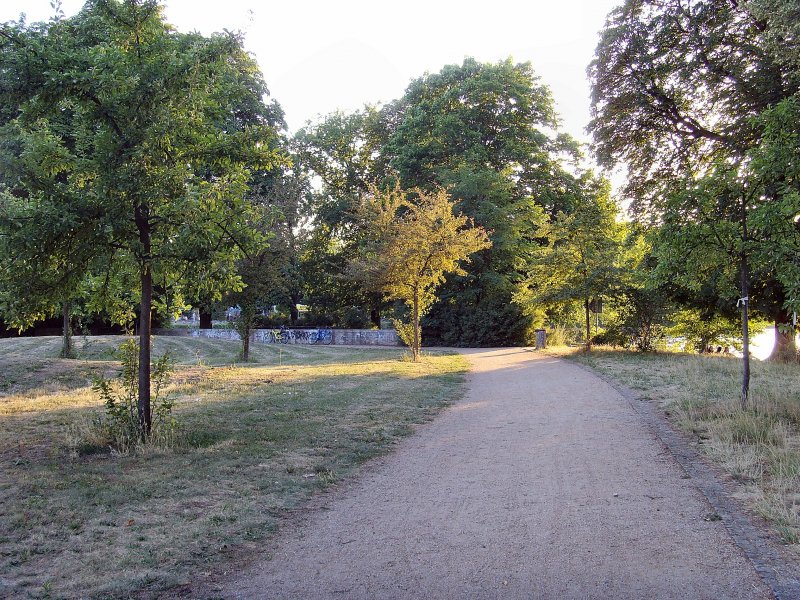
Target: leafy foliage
{"points": [[405, 331], [413, 246], [482, 131], [345, 153], [121, 426], [700, 332], [676, 85], [579, 259], [164, 131], [693, 97], [479, 130], [775, 213]]}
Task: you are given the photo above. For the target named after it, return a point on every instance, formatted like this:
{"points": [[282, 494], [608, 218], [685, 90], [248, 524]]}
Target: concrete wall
{"points": [[352, 337], [366, 337], [217, 334]]}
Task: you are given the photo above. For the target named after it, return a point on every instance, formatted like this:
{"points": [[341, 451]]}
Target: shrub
{"points": [[405, 331], [271, 321], [563, 335], [613, 336], [120, 426], [488, 321], [356, 318]]}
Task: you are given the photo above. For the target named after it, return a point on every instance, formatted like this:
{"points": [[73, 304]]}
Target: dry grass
{"points": [[257, 440], [759, 448]]}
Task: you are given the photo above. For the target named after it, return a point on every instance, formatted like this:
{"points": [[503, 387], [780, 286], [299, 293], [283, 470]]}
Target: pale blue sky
{"points": [[319, 55]]}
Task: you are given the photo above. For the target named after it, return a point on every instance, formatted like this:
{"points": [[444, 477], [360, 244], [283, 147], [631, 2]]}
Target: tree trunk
{"points": [[142, 218], [375, 316], [785, 349], [294, 314], [415, 320], [245, 333], [145, 311], [205, 318], [588, 325], [745, 302], [66, 348]]}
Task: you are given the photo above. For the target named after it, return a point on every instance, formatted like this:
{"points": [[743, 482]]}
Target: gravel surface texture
{"points": [[543, 482]]}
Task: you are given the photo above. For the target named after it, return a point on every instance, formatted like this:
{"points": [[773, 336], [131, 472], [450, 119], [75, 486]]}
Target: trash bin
{"points": [[541, 339]]}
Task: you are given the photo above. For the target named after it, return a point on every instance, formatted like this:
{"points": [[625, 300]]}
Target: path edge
{"points": [[775, 566]]}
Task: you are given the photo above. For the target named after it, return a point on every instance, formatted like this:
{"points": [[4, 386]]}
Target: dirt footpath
{"points": [[541, 483]]}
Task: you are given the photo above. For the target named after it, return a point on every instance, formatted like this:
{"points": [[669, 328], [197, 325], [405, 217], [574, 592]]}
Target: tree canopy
{"points": [[164, 131], [413, 244], [580, 256], [687, 95], [486, 133]]}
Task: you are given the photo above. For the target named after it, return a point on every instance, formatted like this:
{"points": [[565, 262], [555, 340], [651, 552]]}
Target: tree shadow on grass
{"points": [[249, 454]]}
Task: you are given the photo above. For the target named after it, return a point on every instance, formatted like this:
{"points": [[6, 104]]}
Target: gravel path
{"points": [[541, 483]]}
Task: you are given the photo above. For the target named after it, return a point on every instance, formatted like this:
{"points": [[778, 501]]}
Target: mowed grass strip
{"points": [[758, 447], [257, 441]]}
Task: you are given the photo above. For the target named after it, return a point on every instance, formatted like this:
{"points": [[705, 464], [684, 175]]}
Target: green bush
{"points": [[271, 321], [405, 331], [490, 321], [354, 317], [564, 335], [120, 425]]}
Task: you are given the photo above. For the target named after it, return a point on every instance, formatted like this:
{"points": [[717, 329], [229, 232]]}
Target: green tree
{"points": [[641, 303], [40, 212], [286, 196], [162, 182], [258, 275], [271, 275], [484, 132], [676, 86], [678, 94], [578, 261], [413, 246], [701, 332], [344, 151], [481, 130], [775, 209]]}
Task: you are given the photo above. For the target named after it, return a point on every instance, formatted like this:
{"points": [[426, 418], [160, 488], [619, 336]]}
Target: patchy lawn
{"points": [[759, 448], [258, 440]]}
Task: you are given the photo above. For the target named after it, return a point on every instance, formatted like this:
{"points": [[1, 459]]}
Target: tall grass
{"points": [[564, 335]]}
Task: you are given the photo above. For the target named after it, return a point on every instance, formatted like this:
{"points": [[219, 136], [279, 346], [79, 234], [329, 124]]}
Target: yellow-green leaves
{"points": [[415, 240]]}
